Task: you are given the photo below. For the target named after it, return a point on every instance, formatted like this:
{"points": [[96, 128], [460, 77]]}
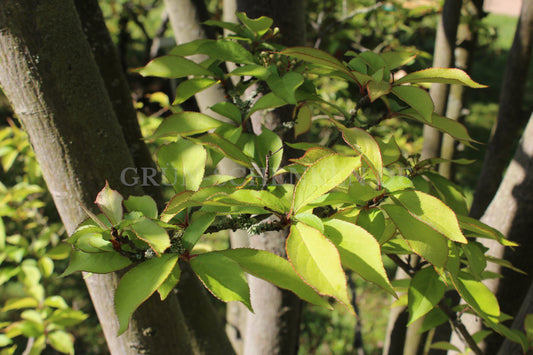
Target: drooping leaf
{"points": [[228, 149], [440, 75], [223, 277], [259, 25], [110, 203], [138, 284], [98, 263], [183, 164], [196, 228], [151, 233], [359, 251], [185, 123], [191, 87], [317, 261], [321, 177], [444, 345], [421, 238], [476, 258], [144, 204], [425, 291], [431, 211], [416, 98], [172, 67], [478, 296], [170, 283], [276, 270]]}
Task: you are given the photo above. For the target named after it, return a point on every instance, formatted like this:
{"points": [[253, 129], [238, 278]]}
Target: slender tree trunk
{"points": [[49, 76], [443, 58], [510, 115]]}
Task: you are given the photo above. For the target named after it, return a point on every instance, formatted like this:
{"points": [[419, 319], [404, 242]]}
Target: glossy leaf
{"points": [[359, 251], [276, 270], [191, 87], [416, 98], [425, 292], [317, 261], [321, 177], [110, 203], [151, 233], [98, 263], [260, 198], [440, 75], [421, 238], [433, 212], [183, 164], [172, 67], [200, 222], [478, 296], [144, 204], [138, 284], [223, 277], [185, 123]]}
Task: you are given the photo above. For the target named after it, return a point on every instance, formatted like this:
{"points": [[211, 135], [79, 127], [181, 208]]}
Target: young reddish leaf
{"points": [[276, 270], [433, 212], [359, 251], [172, 67], [440, 75], [138, 284], [186, 123], [191, 87], [223, 277], [183, 164], [425, 292], [317, 262], [416, 98], [321, 177], [110, 203], [421, 238]]}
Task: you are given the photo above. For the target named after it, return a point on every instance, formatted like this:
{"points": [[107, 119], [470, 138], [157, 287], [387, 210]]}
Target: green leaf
{"points": [[397, 59], [267, 101], [110, 203], [390, 152], [67, 317], [186, 123], [46, 265], [433, 319], [183, 164], [303, 120], [223, 277], [98, 263], [20, 303], [444, 345], [172, 67], [228, 149], [61, 341], [421, 238], [189, 48], [433, 212], [449, 192], [170, 282], [176, 205], [55, 302], [151, 233], [255, 70], [321, 177], [416, 98], [2, 235], [359, 251], [440, 75], [317, 262], [227, 51], [377, 89], [482, 230], [144, 204], [363, 142], [229, 110], [476, 258], [191, 87], [269, 144], [260, 198], [478, 296], [259, 25], [233, 27], [200, 222], [373, 60], [397, 183], [312, 155], [276, 270], [425, 292], [373, 221], [285, 87], [138, 284]]}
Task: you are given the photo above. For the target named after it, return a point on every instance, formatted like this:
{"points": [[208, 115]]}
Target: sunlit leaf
{"points": [[172, 67], [110, 203], [285, 87], [186, 123], [478, 296], [200, 222], [440, 75], [170, 283], [144, 204], [191, 87], [224, 146], [150, 232], [425, 292], [259, 25], [98, 263]]}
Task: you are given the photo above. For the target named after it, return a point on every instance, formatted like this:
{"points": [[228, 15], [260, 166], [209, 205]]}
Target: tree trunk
{"points": [[275, 325], [49, 76], [443, 58], [510, 115]]}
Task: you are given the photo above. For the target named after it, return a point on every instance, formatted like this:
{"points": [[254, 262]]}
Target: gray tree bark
{"points": [[511, 118], [443, 58], [51, 80]]}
